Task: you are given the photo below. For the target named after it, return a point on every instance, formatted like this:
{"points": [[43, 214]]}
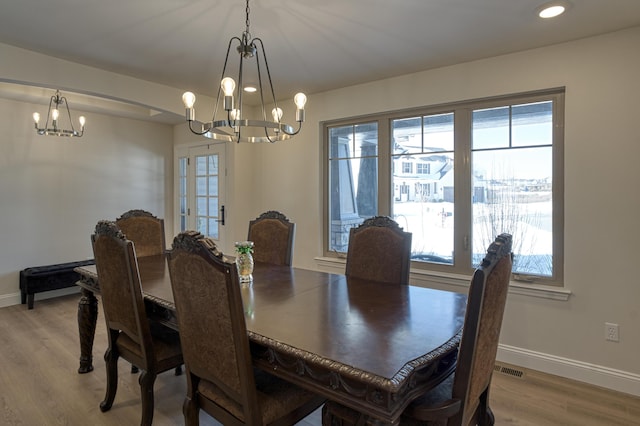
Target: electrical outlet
{"points": [[611, 332]]}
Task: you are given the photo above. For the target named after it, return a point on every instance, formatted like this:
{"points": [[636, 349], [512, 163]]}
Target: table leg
{"points": [[87, 318]]}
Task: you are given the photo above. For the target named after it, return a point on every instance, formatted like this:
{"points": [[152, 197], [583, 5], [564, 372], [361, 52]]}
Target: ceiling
{"points": [[311, 45]]}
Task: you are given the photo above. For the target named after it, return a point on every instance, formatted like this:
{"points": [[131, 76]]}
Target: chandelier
{"points": [[232, 126], [53, 114]]}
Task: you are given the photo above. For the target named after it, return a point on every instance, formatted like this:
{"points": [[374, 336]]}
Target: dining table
{"points": [[371, 346]]}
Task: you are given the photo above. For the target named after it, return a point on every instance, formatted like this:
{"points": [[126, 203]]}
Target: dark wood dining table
{"points": [[371, 346]]}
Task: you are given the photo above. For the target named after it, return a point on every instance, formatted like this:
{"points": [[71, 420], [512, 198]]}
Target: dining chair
{"points": [[220, 377], [150, 347], [272, 235], [463, 397], [145, 230], [379, 250]]}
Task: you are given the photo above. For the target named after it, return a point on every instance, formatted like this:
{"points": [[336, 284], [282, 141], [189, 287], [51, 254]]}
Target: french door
{"points": [[200, 189]]}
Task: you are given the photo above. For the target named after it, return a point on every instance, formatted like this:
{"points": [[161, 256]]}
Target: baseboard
{"points": [[14, 298], [597, 375]]}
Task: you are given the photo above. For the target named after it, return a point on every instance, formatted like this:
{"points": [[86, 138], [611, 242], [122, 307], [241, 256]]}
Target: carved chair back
{"points": [[379, 250], [130, 334], [122, 298], [272, 235], [469, 390], [221, 379], [145, 230]]}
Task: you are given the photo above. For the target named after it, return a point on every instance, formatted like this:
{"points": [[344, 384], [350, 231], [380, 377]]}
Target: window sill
{"points": [[439, 279]]}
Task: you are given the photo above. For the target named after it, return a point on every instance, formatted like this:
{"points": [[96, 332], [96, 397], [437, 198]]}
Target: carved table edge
{"points": [[393, 385]]}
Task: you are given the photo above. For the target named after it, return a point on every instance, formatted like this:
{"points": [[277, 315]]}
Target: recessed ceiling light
{"points": [[250, 89], [551, 10]]}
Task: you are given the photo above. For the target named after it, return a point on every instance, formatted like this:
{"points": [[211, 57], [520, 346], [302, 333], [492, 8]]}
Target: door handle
{"points": [[221, 220]]}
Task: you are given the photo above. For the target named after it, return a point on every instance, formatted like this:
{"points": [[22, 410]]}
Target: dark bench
{"points": [[46, 278]]}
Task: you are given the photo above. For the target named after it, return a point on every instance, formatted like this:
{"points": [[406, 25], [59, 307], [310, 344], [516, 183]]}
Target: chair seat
{"points": [[277, 398], [168, 352]]}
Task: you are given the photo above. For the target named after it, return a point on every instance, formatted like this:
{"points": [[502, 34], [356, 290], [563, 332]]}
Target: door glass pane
{"points": [[422, 184], [182, 195], [512, 187], [207, 201]]}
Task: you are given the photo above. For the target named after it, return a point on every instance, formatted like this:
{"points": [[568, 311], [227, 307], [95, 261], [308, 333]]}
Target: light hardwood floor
{"points": [[40, 386]]}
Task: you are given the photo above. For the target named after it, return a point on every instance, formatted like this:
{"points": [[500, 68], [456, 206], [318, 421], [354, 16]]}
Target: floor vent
{"points": [[509, 371]]}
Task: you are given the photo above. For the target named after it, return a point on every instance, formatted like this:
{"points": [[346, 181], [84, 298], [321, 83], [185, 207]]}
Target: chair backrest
{"points": [[379, 250], [145, 230], [272, 235], [482, 324], [120, 287], [210, 316]]}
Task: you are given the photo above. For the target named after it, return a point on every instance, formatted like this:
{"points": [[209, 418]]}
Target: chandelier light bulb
{"points": [[54, 114], [300, 100], [82, 120], [36, 117], [189, 99], [277, 114], [228, 86]]}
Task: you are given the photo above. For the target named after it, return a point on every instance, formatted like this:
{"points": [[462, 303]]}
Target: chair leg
{"points": [[191, 412], [146, 381], [111, 359], [485, 415]]}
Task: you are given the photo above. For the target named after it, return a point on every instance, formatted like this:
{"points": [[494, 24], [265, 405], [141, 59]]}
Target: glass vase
{"points": [[244, 261]]}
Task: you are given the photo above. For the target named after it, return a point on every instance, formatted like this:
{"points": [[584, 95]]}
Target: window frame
{"points": [[462, 175]]}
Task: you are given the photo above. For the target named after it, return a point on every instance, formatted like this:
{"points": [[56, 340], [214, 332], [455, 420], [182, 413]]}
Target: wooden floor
{"points": [[39, 383]]}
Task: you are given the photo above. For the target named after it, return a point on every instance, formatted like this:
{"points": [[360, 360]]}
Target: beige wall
{"points": [[601, 198]]}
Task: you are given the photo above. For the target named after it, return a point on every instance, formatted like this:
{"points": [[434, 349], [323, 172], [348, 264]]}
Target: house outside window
{"points": [[482, 167]]}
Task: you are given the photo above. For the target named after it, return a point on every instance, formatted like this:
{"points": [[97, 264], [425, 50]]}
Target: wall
{"points": [[54, 190], [602, 146]]}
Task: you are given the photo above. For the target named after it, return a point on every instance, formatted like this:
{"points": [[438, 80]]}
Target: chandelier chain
{"points": [[247, 20]]}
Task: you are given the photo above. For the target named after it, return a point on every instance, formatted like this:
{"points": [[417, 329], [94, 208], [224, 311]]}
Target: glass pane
{"points": [[407, 135], [201, 165], [183, 223], [491, 128], [202, 225], [438, 132], [532, 124], [353, 180], [201, 186], [423, 204], [201, 206], [213, 186], [422, 179], [183, 205], [341, 142], [213, 207], [366, 140], [512, 192], [213, 164], [213, 229]]}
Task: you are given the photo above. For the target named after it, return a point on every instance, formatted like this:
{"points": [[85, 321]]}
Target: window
{"points": [[455, 176]]}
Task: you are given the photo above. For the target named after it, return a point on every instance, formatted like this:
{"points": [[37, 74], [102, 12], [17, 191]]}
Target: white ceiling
{"points": [[311, 45]]}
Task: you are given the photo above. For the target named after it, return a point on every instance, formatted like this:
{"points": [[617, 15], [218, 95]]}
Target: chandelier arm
{"points": [[198, 132], [296, 132], [275, 103], [64, 101], [266, 64]]}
